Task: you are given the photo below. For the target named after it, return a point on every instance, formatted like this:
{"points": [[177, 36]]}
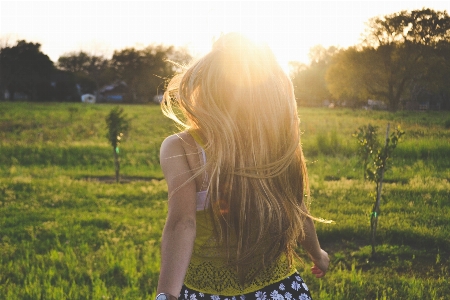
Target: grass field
{"points": [[68, 233]]}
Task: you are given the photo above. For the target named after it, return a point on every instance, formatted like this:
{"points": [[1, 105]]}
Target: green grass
{"points": [[66, 235]]}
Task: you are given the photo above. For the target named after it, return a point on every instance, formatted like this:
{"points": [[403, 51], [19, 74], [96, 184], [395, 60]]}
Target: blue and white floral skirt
{"points": [[292, 287]]}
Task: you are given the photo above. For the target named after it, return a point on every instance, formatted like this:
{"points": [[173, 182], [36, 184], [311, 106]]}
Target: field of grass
{"points": [[67, 233]]}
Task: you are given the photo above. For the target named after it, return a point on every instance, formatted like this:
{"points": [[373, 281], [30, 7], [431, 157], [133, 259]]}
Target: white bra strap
{"points": [[203, 155], [203, 161]]}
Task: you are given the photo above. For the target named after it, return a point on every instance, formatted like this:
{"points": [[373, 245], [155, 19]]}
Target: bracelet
{"points": [[165, 296]]}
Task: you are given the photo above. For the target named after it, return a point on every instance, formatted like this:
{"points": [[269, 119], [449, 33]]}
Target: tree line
{"points": [[403, 60], [142, 73]]}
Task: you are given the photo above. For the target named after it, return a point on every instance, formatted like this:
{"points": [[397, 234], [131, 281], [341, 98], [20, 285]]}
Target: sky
{"points": [[290, 28]]}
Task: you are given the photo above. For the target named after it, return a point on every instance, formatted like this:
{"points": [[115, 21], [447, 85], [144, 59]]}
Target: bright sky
{"points": [[100, 27]]}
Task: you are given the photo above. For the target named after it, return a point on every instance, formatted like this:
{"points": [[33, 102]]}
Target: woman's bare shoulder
{"points": [[177, 140], [177, 144]]}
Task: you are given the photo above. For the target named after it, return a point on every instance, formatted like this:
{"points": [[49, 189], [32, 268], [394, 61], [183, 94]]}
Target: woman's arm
{"points": [[311, 244], [179, 231]]}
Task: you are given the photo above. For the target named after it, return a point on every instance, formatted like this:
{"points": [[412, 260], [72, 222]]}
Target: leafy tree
{"points": [[434, 84], [418, 27], [91, 71], [129, 66], [309, 81], [347, 75], [75, 62], [407, 43], [24, 68], [64, 86], [146, 71], [399, 49]]}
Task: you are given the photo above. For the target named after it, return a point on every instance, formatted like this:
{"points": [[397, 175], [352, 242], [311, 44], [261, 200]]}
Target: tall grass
{"points": [[66, 233]]}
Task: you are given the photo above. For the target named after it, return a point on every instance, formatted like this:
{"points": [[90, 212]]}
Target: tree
{"points": [[398, 50], [91, 71], [357, 74], [309, 81], [64, 86], [24, 68], [146, 71], [75, 62], [407, 42]]}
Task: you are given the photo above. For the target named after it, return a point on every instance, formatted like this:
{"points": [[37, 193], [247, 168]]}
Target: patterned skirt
{"points": [[292, 287]]}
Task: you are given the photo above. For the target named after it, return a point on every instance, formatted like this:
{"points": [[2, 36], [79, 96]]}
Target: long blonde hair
{"points": [[241, 103]]}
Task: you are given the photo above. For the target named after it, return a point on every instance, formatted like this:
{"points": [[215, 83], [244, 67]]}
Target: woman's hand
{"points": [[321, 264]]}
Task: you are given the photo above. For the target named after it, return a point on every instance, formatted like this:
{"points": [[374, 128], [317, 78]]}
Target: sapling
{"points": [[117, 124], [374, 160]]}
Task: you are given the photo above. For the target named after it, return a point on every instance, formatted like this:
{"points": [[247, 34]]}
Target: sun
{"points": [[279, 49], [263, 22]]}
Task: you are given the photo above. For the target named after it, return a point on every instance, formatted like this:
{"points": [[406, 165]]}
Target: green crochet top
{"points": [[208, 271]]}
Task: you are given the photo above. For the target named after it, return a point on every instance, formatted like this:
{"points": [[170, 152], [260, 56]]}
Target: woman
{"points": [[237, 180]]}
